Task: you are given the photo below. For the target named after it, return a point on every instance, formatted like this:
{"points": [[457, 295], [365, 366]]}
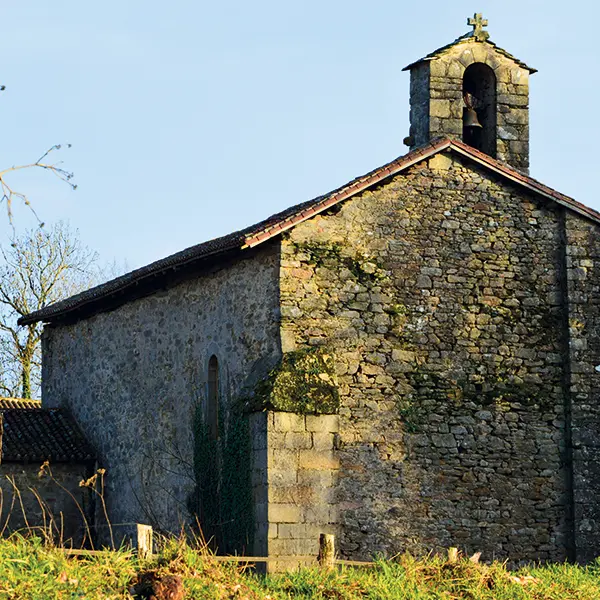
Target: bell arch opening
{"points": [[480, 108]]}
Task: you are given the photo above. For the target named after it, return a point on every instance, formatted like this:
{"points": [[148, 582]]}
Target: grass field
{"points": [[29, 570]]}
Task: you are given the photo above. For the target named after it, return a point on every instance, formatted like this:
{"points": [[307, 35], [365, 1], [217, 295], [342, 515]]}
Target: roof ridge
{"points": [[279, 222]]}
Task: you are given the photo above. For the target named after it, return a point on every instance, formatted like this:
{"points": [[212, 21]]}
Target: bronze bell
{"points": [[470, 118]]}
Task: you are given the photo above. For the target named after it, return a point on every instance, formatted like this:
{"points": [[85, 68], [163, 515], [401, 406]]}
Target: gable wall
{"points": [[440, 293], [133, 377]]}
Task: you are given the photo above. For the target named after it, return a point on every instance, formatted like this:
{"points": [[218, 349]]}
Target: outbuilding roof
{"points": [[37, 435], [127, 286], [19, 403]]}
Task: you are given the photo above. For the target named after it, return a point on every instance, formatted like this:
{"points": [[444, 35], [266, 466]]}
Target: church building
{"points": [[411, 361]]}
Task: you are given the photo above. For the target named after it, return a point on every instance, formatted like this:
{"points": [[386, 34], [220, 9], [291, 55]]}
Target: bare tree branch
{"points": [[8, 194]]}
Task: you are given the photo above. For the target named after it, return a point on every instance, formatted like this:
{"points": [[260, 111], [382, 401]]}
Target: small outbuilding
{"points": [[44, 458]]}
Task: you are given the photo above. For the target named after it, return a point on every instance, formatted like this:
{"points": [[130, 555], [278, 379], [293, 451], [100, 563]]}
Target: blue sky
{"points": [[191, 119]]}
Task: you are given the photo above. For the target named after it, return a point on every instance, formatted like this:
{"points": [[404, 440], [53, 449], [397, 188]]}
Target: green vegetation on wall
{"points": [[304, 383], [363, 268], [496, 389], [223, 496]]}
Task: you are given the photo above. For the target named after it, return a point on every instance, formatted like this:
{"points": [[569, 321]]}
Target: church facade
{"points": [[410, 361]]}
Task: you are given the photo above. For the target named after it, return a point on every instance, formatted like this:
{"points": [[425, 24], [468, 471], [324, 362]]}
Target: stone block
{"points": [[316, 514], [291, 531], [424, 282], [322, 441], [316, 478], [288, 340], [513, 99], [438, 68], [439, 108], [294, 494], [311, 459], [285, 513], [466, 57], [283, 459], [456, 70], [403, 355], [443, 440], [503, 74], [293, 547], [279, 477], [440, 162], [323, 423], [520, 76], [298, 440], [283, 421], [517, 116]]}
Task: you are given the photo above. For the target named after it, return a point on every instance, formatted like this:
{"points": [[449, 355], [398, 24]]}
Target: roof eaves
{"points": [[120, 284]]}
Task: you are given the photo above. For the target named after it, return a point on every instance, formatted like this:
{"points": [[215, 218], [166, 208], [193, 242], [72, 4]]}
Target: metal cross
{"points": [[478, 23]]}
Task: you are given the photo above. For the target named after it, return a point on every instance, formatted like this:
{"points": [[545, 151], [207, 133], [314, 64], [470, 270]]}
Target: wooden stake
{"points": [[144, 540], [326, 556]]}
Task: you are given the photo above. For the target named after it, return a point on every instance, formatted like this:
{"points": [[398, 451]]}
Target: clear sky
{"points": [[190, 119]]}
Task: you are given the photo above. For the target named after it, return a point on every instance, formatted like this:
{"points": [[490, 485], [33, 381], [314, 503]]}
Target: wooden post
{"points": [[326, 556], [144, 540], [452, 555]]}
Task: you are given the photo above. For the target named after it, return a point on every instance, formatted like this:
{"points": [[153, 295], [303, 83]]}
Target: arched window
{"points": [[212, 408], [479, 94]]}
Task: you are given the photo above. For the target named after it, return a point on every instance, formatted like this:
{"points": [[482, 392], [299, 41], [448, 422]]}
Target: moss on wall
{"points": [[361, 266], [304, 383], [497, 389]]}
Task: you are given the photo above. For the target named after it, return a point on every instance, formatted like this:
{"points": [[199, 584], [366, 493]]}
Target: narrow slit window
{"points": [[212, 412]]}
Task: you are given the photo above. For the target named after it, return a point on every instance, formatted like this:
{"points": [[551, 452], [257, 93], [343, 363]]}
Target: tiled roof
{"points": [[276, 224], [37, 434], [19, 403], [468, 37]]}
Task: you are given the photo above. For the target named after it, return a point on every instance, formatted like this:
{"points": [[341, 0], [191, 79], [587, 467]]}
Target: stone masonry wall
{"points": [[439, 84], [440, 293], [59, 504], [134, 376], [302, 478], [583, 268]]}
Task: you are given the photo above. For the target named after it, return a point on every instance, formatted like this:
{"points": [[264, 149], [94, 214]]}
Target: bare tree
{"points": [[38, 268], [8, 194]]}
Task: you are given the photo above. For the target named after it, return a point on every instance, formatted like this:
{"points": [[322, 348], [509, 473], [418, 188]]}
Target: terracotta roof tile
{"points": [[19, 403], [282, 221], [36, 435]]}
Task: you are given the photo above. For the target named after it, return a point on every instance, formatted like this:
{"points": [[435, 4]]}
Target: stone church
{"points": [[411, 361]]}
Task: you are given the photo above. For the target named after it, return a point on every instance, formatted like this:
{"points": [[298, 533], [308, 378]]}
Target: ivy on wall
{"points": [[222, 469]]}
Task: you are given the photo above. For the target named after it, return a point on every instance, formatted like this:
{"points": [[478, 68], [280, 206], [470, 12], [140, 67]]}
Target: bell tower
{"points": [[474, 91]]}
